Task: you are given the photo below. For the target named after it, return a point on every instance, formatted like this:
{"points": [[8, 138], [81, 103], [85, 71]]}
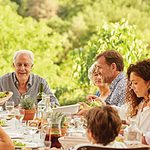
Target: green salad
{"points": [[96, 103], [2, 122], [3, 94], [18, 143]]}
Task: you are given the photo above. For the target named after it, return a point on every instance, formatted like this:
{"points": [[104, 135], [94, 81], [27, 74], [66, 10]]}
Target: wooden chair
{"points": [[106, 148]]}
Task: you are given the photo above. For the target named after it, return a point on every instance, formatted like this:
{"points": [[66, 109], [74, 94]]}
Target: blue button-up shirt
{"points": [[9, 82], [117, 90]]}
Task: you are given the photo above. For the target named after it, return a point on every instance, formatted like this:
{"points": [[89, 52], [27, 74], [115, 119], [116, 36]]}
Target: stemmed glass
{"points": [[19, 114], [9, 106], [76, 125], [47, 136], [32, 126]]}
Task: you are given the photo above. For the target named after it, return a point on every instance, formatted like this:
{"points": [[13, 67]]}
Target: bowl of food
{"points": [[69, 109], [4, 96]]}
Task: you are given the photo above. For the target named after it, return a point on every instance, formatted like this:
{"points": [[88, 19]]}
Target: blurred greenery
{"points": [[66, 35]]}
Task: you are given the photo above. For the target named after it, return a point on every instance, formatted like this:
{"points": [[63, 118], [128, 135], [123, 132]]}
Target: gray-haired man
{"points": [[22, 81]]}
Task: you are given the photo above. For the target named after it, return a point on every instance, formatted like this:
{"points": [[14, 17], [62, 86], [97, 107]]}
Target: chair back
{"points": [[106, 148]]}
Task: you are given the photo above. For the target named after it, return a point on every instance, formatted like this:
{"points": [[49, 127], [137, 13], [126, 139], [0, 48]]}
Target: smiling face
{"points": [[106, 71], [22, 67], [97, 78], [139, 85]]}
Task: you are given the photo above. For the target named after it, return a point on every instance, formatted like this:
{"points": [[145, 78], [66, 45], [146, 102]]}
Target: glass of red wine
{"points": [[47, 136]]}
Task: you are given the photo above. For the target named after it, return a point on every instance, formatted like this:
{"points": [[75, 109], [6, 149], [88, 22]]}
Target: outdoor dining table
{"points": [[21, 134], [35, 141]]}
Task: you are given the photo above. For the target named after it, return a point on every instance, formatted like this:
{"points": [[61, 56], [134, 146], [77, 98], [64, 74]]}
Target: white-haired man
{"points": [[22, 81]]}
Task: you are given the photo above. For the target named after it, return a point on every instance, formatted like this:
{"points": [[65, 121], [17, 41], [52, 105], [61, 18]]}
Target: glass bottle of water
{"points": [[41, 107], [48, 110], [132, 133]]}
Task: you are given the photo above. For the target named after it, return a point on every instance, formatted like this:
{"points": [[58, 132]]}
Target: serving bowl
{"points": [[69, 109]]}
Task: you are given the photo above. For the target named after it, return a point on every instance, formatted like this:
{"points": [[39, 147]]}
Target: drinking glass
{"points": [[32, 126], [19, 114], [9, 106], [47, 136]]}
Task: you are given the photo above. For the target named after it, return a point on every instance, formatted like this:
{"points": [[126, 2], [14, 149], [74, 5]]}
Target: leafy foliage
{"points": [[59, 38], [38, 8], [118, 36], [27, 103]]}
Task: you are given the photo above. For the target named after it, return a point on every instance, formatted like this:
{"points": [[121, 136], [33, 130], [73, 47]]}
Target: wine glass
{"points": [[19, 114], [9, 106], [47, 137], [32, 126]]}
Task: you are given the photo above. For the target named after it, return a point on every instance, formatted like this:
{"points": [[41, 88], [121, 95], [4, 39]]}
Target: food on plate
{"points": [[87, 106], [119, 139], [2, 122], [19, 143], [96, 103], [4, 94], [10, 116]]}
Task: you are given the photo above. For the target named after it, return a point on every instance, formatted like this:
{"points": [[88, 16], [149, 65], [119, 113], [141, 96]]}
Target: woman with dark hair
{"points": [[137, 103], [138, 96], [138, 91]]}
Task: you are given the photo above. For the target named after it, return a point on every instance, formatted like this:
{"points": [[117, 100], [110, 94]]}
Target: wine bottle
{"points": [[39, 95]]}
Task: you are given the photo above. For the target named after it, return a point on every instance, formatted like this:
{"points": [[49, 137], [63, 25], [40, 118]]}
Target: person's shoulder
{"points": [[6, 76], [122, 79], [37, 77]]}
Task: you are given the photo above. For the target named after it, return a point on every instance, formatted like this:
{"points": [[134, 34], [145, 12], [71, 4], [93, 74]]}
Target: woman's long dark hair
{"points": [[141, 69]]}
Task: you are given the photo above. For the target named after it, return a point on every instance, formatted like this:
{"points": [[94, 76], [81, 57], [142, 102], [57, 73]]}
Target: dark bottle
{"points": [[39, 95]]}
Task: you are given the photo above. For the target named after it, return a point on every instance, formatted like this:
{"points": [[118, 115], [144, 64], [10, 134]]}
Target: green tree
{"points": [[118, 36], [38, 9]]}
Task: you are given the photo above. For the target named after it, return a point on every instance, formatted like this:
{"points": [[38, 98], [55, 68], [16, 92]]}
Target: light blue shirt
{"points": [[117, 90]]}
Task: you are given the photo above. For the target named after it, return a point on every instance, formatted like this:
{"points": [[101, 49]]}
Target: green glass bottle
{"points": [[39, 95]]}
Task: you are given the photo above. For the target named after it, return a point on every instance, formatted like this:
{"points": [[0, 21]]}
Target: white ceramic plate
{"points": [[69, 109], [33, 145], [4, 99], [15, 135], [30, 145]]}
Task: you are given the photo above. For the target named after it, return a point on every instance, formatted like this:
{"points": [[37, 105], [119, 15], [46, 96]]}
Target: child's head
{"points": [[103, 124]]}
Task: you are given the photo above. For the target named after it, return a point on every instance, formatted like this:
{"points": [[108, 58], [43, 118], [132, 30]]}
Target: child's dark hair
{"points": [[104, 123]]}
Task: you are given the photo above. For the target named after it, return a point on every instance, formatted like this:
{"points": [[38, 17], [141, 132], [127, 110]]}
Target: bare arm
{"points": [[5, 141]]}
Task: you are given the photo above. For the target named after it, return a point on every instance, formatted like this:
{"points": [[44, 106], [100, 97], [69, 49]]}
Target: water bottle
{"points": [[41, 107]]}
